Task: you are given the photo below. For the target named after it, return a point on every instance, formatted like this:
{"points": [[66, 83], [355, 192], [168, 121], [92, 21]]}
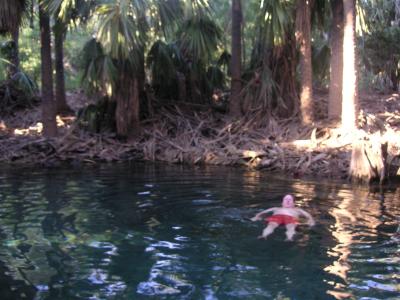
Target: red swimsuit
{"points": [[282, 219]]}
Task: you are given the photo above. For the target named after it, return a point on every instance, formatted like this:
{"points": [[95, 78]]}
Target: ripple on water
{"points": [[203, 202]]}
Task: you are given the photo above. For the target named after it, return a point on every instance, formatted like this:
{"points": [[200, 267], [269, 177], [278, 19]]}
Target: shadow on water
{"points": [[173, 232]]}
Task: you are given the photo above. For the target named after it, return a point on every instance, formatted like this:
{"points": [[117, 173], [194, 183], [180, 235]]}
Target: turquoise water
{"points": [[173, 232]]}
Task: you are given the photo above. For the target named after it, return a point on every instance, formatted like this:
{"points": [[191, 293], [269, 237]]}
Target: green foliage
{"points": [[98, 117], [20, 92], [381, 53], [216, 78], [376, 15], [199, 38], [29, 52], [99, 69], [382, 49], [163, 61], [20, 80], [7, 49], [122, 29], [321, 60], [166, 61], [184, 39], [25, 84], [167, 16], [275, 18]]}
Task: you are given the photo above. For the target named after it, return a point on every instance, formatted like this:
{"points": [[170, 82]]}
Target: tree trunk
{"points": [[236, 63], [303, 39], [59, 35], [127, 111], [394, 80], [349, 92], [194, 87], [14, 59], [181, 86], [368, 159], [336, 75], [48, 104]]}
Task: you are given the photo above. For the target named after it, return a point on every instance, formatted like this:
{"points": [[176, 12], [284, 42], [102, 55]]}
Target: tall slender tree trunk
{"points": [[236, 60], [194, 87], [303, 38], [48, 103], [336, 72], [14, 68], [394, 79], [349, 92], [59, 36]]}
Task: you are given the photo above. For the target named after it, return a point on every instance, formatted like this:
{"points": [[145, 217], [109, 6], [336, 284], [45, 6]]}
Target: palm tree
{"points": [[349, 92], [115, 58], [198, 38], [48, 104], [236, 64], [64, 12], [11, 13], [303, 38], [336, 73], [271, 89], [115, 66], [59, 31]]}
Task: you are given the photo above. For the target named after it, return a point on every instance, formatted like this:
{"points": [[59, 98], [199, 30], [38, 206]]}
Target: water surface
{"points": [[173, 232]]}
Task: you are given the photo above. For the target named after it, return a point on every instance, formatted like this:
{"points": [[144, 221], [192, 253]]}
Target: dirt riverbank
{"points": [[207, 137]]}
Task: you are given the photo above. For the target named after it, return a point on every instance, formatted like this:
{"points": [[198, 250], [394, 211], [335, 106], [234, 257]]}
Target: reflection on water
{"points": [[170, 232]]}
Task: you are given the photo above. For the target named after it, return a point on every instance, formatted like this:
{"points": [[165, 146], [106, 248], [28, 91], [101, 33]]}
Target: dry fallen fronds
{"points": [[205, 137]]}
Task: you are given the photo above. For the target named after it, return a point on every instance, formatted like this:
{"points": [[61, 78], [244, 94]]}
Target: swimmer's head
{"points": [[288, 201]]}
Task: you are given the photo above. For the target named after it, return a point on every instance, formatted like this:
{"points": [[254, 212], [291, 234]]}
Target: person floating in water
{"points": [[286, 215]]}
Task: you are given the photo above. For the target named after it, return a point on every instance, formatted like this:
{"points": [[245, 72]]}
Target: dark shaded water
{"points": [[171, 232]]}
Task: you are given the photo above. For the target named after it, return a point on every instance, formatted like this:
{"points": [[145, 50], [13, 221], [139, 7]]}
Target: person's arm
{"points": [[310, 221], [258, 216]]}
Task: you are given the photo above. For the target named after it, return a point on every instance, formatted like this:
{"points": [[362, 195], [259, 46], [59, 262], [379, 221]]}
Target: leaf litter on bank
{"points": [[178, 136]]}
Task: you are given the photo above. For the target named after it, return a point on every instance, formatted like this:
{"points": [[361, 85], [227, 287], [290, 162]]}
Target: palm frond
{"points": [[25, 83], [167, 16], [99, 69], [122, 27], [216, 78], [161, 63], [275, 19], [70, 10], [199, 37], [224, 61], [194, 8]]}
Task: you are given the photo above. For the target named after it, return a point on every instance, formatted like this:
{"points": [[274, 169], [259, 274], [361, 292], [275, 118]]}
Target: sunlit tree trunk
{"points": [[303, 39], [236, 63], [59, 35], [336, 71], [48, 103], [349, 92]]}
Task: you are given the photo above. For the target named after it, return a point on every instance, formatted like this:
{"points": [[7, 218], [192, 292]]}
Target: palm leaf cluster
{"points": [[165, 61], [170, 46], [185, 39], [70, 11], [199, 38]]}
